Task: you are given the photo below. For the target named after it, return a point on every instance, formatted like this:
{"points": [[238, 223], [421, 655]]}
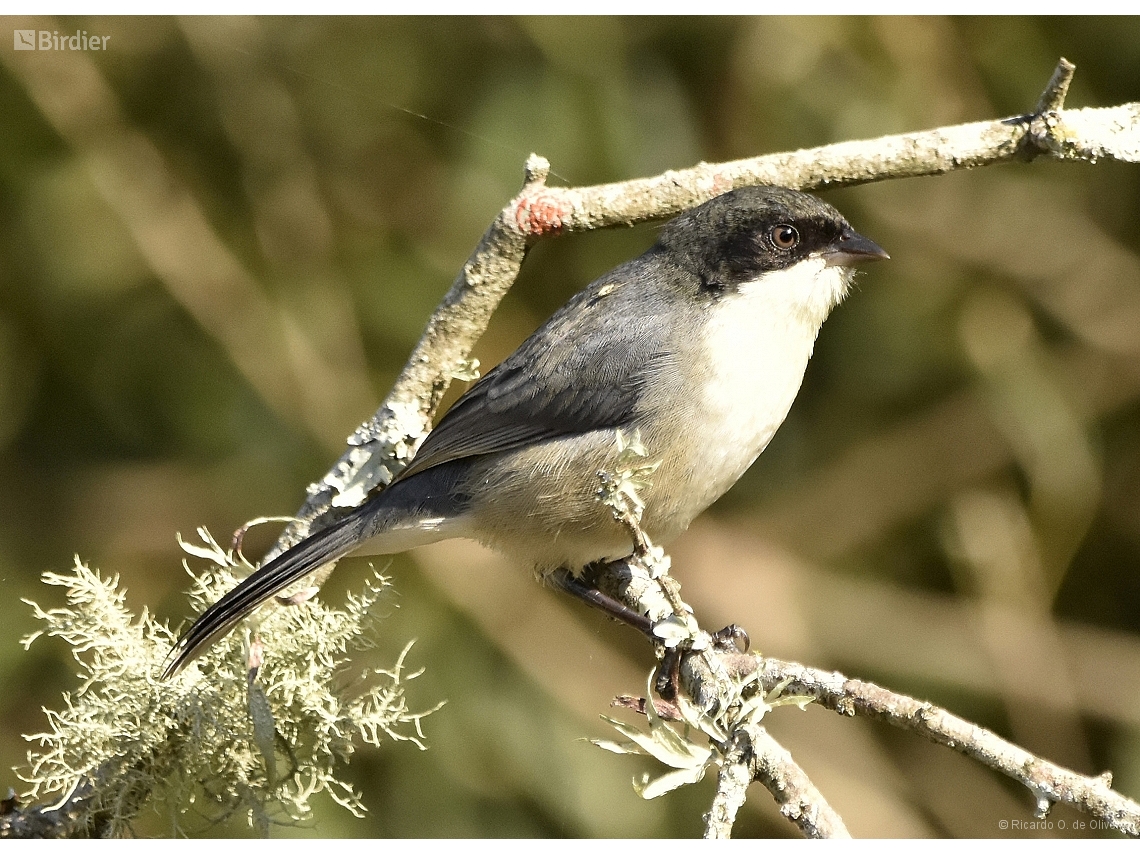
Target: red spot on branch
{"points": [[542, 214]]}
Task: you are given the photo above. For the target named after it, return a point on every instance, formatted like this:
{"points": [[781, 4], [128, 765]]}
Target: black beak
{"points": [[851, 248]]}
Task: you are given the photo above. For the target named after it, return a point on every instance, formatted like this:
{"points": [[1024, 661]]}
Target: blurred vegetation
{"points": [[220, 237]]}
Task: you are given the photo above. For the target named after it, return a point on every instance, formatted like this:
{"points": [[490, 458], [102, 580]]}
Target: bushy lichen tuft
{"points": [[220, 738]]}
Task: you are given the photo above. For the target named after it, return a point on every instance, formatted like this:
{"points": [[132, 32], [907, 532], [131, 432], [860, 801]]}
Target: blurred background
{"points": [[219, 239]]}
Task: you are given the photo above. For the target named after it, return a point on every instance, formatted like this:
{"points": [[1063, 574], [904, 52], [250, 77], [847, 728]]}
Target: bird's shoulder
{"points": [[585, 369]]}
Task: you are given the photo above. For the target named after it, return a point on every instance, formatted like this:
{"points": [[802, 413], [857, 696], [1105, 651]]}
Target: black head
{"points": [[744, 233]]}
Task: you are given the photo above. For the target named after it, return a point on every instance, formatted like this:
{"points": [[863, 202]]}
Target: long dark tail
{"points": [[318, 549]]}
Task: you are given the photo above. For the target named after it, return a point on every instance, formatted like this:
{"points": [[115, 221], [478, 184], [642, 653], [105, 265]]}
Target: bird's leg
{"points": [[568, 582], [732, 637], [668, 674], [668, 680]]}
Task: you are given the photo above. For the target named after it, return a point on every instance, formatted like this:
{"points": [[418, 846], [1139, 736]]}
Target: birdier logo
{"points": [[52, 40]]}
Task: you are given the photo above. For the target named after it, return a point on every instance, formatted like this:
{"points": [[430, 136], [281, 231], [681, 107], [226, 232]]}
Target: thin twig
{"points": [[1053, 98], [704, 675], [1048, 782], [755, 756]]}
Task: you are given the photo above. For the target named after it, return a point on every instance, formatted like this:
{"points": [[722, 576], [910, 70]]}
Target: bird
{"points": [[698, 347]]}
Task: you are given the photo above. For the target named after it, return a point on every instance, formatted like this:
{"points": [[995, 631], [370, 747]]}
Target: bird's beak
{"points": [[852, 248]]}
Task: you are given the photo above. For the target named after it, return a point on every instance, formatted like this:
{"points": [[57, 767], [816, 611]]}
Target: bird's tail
{"points": [[327, 545]]}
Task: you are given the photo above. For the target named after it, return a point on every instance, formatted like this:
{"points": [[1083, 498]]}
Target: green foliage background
{"points": [[220, 238]]}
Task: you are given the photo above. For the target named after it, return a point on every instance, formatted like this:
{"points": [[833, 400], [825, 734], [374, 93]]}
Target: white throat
{"points": [[757, 344]]}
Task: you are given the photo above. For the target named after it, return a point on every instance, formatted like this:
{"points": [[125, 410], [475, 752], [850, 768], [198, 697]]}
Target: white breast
{"points": [[757, 343]]}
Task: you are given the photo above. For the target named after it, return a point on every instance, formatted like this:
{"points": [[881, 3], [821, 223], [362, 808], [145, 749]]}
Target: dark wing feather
{"points": [[326, 545], [583, 370]]}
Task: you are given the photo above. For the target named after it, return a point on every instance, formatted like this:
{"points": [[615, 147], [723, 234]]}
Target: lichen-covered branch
{"points": [[706, 670], [383, 444], [74, 818], [1048, 782], [755, 756], [244, 739]]}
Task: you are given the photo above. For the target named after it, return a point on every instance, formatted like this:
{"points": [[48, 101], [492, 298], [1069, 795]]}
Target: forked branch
{"points": [[381, 446]]}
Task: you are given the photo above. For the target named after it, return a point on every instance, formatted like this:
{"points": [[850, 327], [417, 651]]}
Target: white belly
{"points": [[756, 345]]}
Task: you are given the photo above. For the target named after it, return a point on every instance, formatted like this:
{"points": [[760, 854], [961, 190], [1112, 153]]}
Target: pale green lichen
{"points": [[218, 740], [702, 740]]}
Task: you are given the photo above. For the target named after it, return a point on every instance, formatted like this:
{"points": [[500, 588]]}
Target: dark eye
{"points": [[785, 236]]}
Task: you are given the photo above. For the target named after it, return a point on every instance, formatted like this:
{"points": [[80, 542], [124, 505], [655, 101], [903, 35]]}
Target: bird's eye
{"points": [[785, 236]]}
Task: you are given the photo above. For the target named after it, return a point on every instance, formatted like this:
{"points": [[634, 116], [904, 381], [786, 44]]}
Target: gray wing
{"points": [[584, 370]]}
